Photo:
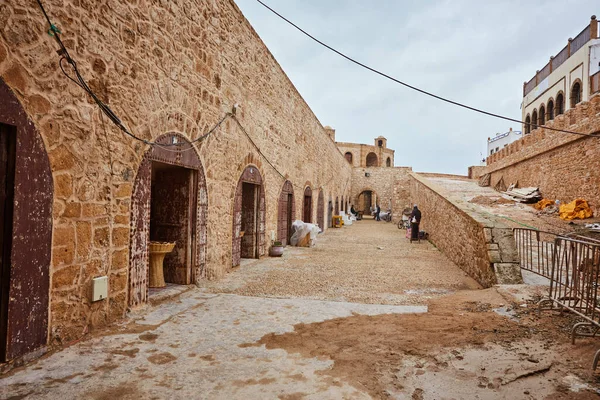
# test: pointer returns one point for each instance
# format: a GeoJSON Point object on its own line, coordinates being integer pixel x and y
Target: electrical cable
{"type": "Point", "coordinates": [530, 124]}
{"type": "Point", "coordinates": [105, 109]}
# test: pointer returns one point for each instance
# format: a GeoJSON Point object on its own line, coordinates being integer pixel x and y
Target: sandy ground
{"type": "Point", "coordinates": [368, 262]}
{"type": "Point", "coordinates": [486, 201]}
{"type": "Point", "coordinates": [317, 325]}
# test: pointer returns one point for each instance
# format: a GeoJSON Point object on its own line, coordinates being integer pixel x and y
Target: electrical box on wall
{"type": "Point", "coordinates": [99, 288]}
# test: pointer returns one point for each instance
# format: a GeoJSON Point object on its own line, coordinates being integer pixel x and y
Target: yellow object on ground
{"type": "Point", "coordinates": [540, 205]}
{"type": "Point", "coordinates": [576, 209]}
{"type": "Point", "coordinates": [337, 221]}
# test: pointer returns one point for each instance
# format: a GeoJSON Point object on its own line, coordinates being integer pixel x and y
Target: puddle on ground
{"type": "Point", "coordinates": [508, 312]}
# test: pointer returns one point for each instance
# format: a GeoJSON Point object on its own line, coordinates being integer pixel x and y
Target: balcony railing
{"type": "Point", "coordinates": [590, 32]}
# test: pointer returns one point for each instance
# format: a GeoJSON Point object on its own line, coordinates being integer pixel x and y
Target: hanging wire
{"type": "Point", "coordinates": [435, 96]}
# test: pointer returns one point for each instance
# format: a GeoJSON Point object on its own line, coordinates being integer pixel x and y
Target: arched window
{"type": "Point", "coordinates": [380, 143]}
{"type": "Point", "coordinates": [348, 156]}
{"type": "Point", "coordinates": [542, 120]}
{"type": "Point", "coordinates": [371, 160]}
{"type": "Point", "coordinates": [527, 125]}
{"type": "Point", "coordinates": [534, 120]}
{"type": "Point", "coordinates": [560, 104]}
{"type": "Point", "coordinates": [576, 94]}
{"type": "Point", "coordinates": [550, 112]}
{"type": "Point", "coordinates": [388, 162]}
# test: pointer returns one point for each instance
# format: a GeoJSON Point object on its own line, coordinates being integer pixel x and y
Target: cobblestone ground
{"type": "Point", "coordinates": [367, 262]}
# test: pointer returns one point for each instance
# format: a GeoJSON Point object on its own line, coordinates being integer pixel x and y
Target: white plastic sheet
{"type": "Point", "coordinates": [300, 229]}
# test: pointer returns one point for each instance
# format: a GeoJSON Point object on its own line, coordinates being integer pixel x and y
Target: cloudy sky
{"type": "Point", "coordinates": [475, 52]}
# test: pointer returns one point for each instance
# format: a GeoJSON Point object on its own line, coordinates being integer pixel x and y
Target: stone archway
{"type": "Point", "coordinates": [286, 213]}
{"type": "Point", "coordinates": [26, 235]}
{"type": "Point", "coordinates": [365, 201]}
{"type": "Point", "coordinates": [169, 203]}
{"type": "Point", "coordinates": [321, 210]}
{"type": "Point", "coordinates": [249, 213]}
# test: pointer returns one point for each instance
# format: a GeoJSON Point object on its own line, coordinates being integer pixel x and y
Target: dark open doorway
{"type": "Point", "coordinates": [173, 218]}
{"type": "Point", "coordinates": [367, 200]}
{"type": "Point", "coordinates": [307, 211]}
{"type": "Point", "coordinates": [330, 214]}
{"type": "Point", "coordinates": [7, 185]}
{"type": "Point", "coordinates": [285, 213]}
{"type": "Point", "coordinates": [250, 220]}
{"type": "Point", "coordinates": [249, 217]}
{"type": "Point", "coordinates": [321, 211]}
{"type": "Point", "coordinates": [169, 203]}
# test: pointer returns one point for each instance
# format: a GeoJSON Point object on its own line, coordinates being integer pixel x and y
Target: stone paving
{"type": "Point", "coordinates": [200, 345]}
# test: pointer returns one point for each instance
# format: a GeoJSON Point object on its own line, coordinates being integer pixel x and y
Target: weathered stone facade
{"type": "Point", "coordinates": [365, 155]}
{"type": "Point", "coordinates": [167, 69]}
{"type": "Point", "coordinates": [479, 244]}
{"type": "Point", "coordinates": [564, 166]}
{"type": "Point", "coordinates": [390, 185]}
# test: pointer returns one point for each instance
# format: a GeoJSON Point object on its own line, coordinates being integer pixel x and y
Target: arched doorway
{"type": "Point", "coordinates": [321, 211]}
{"type": "Point", "coordinates": [342, 208]}
{"type": "Point", "coordinates": [371, 160]}
{"type": "Point", "coordinates": [285, 213]}
{"type": "Point", "coordinates": [348, 156]}
{"type": "Point", "coordinates": [337, 206]}
{"type": "Point", "coordinates": [366, 201]}
{"type": "Point", "coordinates": [388, 162]}
{"type": "Point", "coordinates": [169, 203]}
{"type": "Point", "coordinates": [26, 196]}
{"type": "Point", "coordinates": [249, 213]}
{"type": "Point", "coordinates": [307, 209]}
{"type": "Point", "coordinates": [330, 213]}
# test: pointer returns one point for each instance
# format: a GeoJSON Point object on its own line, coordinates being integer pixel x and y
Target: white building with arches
{"type": "Point", "coordinates": [569, 77]}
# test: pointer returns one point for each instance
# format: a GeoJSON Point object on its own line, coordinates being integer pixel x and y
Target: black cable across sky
{"type": "Point", "coordinates": [435, 96]}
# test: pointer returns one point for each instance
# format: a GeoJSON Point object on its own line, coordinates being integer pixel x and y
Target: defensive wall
{"type": "Point", "coordinates": [170, 71]}
{"type": "Point", "coordinates": [564, 166]}
{"type": "Point", "coordinates": [479, 244]}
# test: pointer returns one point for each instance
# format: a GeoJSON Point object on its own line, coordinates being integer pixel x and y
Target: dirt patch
{"type": "Point", "coordinates": [124, 391]}
{"type": "Point", "coordinates": [106, 367]}
{"type": "Point", "coordinates": [148, 337]}
{"type": "Point", "coordinates": [63, 380]}
{"type": "Point", "coordinates": [249, 382]}
{"type": "Point", "coordinates": [161, 358]}
{"type": "Point", "coordinates": [208, 357]}
{"type": "Point", "coordinates": [392, 353]}
{"type": "Point", "coordinates": [490, 200]}
{"type": "Point", "coordinates": [128, 353]}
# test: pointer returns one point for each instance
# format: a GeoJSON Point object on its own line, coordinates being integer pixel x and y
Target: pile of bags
{"type": "Point", "coordinates": [304, 234]}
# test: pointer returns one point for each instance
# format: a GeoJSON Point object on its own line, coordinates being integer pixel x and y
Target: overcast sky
{"type": "Point", "coordinates": [472, 51]}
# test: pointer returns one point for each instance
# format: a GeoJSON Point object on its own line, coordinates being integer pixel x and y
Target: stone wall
{"type": "Point", "coordinates": [390, 184]}
{"type": "Point", "coordinates": [476, 171]}
{"type": "Point", "coordinates": [167, 67]}
{"type": "Point", "coordinates": [564, 166]}
{"type": "Point", "coordinates": [480, 245]}
{"type": "Point", "coordinates": [360, 152]}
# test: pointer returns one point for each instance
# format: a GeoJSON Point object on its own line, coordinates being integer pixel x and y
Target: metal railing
{"type": "Point", "coordinates": [571, 262]}
{"type": "Point", "coordinates": [535, 250]}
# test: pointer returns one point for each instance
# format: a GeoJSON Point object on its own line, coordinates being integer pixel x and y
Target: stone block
{"type": "Point", "coordinates": [65, 277]}
{"type": "Point", "coordinates": [508, 273]}
{"type": "Point", "coordinates": [487, 233]}
{"type": "Point", "coordinates": [63, 186]}
{"type": "Point", "coordinates": [494, 256]}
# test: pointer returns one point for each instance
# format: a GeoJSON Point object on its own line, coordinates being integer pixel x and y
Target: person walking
{"type": "Point", "coordinates": [377, 211]}
{"type": "Point", "coordinates": [415, 220]}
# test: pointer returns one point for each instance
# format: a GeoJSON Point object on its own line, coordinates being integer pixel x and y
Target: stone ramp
{"type": "Point", "coordinates": [479, 242]}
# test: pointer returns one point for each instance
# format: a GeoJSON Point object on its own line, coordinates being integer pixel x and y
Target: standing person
{"type": "Point", "coordinates": [415, 220]}
{"type": "Point", "coordinates": [352, 210]}
{"type": "Point", "coordinates": [377, 211]}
